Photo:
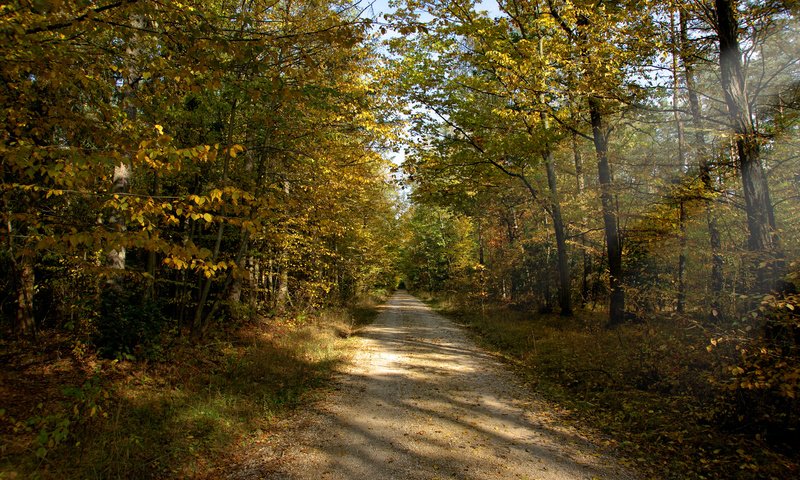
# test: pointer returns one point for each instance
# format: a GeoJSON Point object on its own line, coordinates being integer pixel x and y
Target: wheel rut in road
{"type": "Point", "coordinates": [422, 401]}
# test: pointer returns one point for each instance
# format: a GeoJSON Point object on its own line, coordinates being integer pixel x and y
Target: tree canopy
{"type": "Point", "coordinates": [177, 151]}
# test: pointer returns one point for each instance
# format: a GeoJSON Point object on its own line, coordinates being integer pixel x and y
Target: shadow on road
{"type": "Point", "coordinates": [424, 402]}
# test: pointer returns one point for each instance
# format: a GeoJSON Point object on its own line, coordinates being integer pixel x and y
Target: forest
{"type": "Point", "coordinates": [203, 202]}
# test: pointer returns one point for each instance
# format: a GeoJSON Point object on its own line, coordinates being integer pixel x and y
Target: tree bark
{"type": "Point", "coordinates": [681, 297]}
{"type": "Point", "coordinates": [200, 320]}
{"type": "Point", "coordinates": [682, 162]}
{"type": "Point", "coordinates": [702, 153]}
{"type": "Point", "coordinates": [152, 259]}
{"type": "Point", "coordinates": [616, 309]}
{"type": "Point", "coordinates": [480, 243]}
{"type": "Point", "coordinates": [22, 276]}
{"type": "Point", "coordinates": [282, 295]}
{"type": "Point", "coordinates": [205, 288]}
{"type": "Point", "coordinates": [25, 322]}
{"type": "Point", "coordinates": [763, 240]}
{"type": "Point", "coordinates": [579, 187]}
{"type": "Point", "coordinates": [564, 281]}
{"type": "Point", "coordinates": [121, 179]}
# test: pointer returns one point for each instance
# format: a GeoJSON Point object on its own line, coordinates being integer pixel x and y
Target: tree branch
{"type": "Point", "coordinates": [86, 16]}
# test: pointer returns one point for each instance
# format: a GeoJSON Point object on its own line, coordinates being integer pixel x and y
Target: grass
{"type": "Point", "coordinates": [188, 416]}
{"type": "Point", "coordinates": [646, 387]}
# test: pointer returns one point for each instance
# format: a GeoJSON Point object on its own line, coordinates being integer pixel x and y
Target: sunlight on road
{"type": "Point", "coordinates": [422, 401]}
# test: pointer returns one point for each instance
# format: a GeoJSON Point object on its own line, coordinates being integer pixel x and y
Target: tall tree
{"type": "Point", "coordinates": [688, 56]}
{"type": "Point", "coordinates": [763, 238]}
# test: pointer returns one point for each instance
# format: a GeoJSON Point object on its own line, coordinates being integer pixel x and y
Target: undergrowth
{"type": "Point", "coordinates": [71, 414]}
{"type": "Point", "coordinates": [648, 388]}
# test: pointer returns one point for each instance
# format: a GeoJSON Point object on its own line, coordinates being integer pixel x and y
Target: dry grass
{"type": "Point", "coordinates": [188, 416]}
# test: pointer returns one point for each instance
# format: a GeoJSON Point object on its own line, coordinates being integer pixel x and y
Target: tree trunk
{"type": "Point", "coordinates": [205, 288]}
{"type": "Point", "coordinates": [684, 166]}
{"type": "Point", "coordinates": [271, 280]}
{"type": "Point", "coordinates": [681, 300]}
{"type": "Point", "coordinates": [763, 239]}
{"type": "Point", "coordinates": [282, 295]}
{"type": "Point", "coordinates": [152, 260]}
{"type": "Point", "coordinates": [25, 322]}
{"type": "Point", "coordinates": [616, 310]}
{"type": "Point", "coordinates": [235, 291]}
{"type": "Point", "coordinates": [22, 276]}
{"type": "Point", "coordinates": [121, 179]}
{"type": "Point", "coordinates": [184, 294]}
{"type": "Point", "coordinates": [579, 187]}
{"type": "Point", "coordinates": [253, 286]}
{"type": "Point", "coordinates": [545, 276]}
{"type": "Point", "coordinates": [717, 279]}
{"type": "Point", "coordinates": [480, 243]}
{"type": "Point", "coordinates": [701, 151]}
{"type": "Point", "coordinates": [227, 284]}
{"type": "Point", "coordinates": [564, 282]}
{"type": "Point", "coordinates": [200, 320]}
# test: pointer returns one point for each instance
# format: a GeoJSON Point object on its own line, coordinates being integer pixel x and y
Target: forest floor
{"type": "Point", "coordinates": [67, 413]}
{"type": "Point", "coordinates": [421, 401]}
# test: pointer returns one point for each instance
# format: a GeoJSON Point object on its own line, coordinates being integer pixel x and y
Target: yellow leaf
{"type": "Point", "coordinates": [234, 151]}
{"type": "Point", "coordinates": [207, 217]}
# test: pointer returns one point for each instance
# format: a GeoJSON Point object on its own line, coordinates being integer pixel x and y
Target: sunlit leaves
{"type": "Point", "coordinates": [213, 112]}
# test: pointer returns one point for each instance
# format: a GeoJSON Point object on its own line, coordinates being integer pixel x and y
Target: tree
{"type": "Point", "coordinates": [529, 60]}
{"type": "Point", "coordinates": [763, 239]}
{"type": "Point", "coordinates": [167, 132]}
{"type": "Point", "coordinates": [469, 100]}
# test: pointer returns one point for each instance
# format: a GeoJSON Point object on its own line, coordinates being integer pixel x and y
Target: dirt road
{"type": "Point", "coordinates": [421, 401]}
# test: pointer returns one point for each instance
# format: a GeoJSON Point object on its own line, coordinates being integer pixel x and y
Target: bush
{"type": "Point", "coordinates": [759, 367]}
{"type": "Point", "coordinates": [128, 323]}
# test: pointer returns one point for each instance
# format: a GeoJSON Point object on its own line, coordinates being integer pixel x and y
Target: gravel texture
{"type": "Point", "coordinates": [422, 401]}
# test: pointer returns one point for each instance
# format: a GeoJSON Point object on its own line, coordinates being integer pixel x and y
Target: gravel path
{"type": "Point", "coordinates": [422, 401]}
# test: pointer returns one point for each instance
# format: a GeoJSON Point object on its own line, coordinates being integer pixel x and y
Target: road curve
{"type": "Point", "coordinates": [422, 401]}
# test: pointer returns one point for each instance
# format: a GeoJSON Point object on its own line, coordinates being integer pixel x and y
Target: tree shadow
{"type": "Point", "coordinates": [431, 404]}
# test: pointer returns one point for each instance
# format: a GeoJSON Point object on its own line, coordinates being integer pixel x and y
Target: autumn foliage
{"type": "Point", "coordinates": [173, 174]}
{"type": "Point", "coordinates": [628, 160]}
{"type": "Point", "coordinates": [163, 162]}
